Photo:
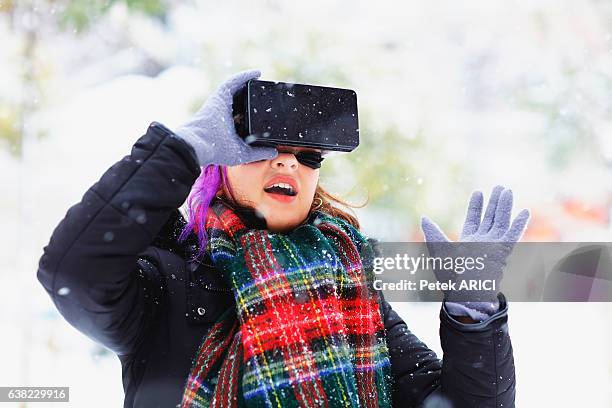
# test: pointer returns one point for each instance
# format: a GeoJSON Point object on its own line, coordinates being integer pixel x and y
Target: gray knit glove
{"type": "Point", "coordinates": [492, 236]}
{"type": "Point", "coordinates": [212, 133]}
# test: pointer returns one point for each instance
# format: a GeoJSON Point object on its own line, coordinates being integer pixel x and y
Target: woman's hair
{"type": "Point", "coordinates": [210, 183]}
{"type": "Point", "coordinates": [202, 193]}
{"type": "Point", "coordinates": [327, 202]}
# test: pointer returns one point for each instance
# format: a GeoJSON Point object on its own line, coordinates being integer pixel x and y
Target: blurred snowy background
{"type": "Point", "coordinates": [453, 96]}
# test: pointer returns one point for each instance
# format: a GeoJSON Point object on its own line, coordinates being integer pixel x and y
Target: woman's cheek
{"type": "Point", "coordinates": [251, 180]}
{"type": "Point", "coordinates": [312, 183]}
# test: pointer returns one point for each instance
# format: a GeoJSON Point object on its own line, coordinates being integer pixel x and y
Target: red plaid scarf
{"type": "Point", "coordinates": [307, 330]}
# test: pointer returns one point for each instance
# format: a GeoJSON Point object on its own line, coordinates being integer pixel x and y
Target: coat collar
{"type": "Point", "coordinates": [168, 237]}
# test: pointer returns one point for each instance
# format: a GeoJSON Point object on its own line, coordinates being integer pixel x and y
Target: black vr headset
{"type": "Point", "coordinates": [278, 113]}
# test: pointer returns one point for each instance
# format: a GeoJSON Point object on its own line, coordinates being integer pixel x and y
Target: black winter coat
{"type": "Point", "coordinates": [115, 271]}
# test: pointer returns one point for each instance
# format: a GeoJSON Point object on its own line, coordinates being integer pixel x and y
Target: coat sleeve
{"type": "Point", "coordinates": [91, 266]}
{"type": "Point", "coordinates": [477, 369]}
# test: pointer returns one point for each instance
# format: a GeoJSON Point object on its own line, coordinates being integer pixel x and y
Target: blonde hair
{"type": "Point", "coordinates": [328, 203]}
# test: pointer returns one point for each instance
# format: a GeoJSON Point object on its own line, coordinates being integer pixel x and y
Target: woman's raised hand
{"type": "Point", "coordinates": [212, 133]}
{"type": "Point", "coordinates": [492, 237]}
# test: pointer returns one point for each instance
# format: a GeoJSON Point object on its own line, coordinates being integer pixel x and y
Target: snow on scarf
{"type": "Point", "coordinates": [307, 329]}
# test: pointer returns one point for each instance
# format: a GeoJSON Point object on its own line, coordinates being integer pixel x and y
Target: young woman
{"type": "Point", "coordinates": [263, 296]}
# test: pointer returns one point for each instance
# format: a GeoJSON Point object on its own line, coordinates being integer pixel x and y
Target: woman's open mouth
{"type": "Point", "coordinates": [282, 190]}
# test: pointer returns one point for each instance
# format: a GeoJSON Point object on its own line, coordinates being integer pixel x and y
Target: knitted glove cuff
{"type": "Point", "coordinates": [203, 150]}
{"type": "Point", "coordinates": [477, 311]}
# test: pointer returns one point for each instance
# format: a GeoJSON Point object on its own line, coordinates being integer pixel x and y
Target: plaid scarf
{"type": "Point", "coordinates": [307, 330]}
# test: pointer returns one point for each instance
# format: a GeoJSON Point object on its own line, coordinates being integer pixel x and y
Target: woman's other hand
{"type": "Point", "coordinates": [492, 238]}
{"type": "Point", "coordinates": [212, 133]}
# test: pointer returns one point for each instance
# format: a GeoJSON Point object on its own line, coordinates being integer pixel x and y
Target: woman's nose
{"type": "Point", "coordinates": [285, 160]}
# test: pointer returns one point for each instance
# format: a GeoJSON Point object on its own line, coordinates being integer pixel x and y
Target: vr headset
{"type": "Point", "coordinates": [278, 113]}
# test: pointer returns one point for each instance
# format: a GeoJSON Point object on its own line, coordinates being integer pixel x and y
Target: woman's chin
{"type": "Point", "coordinates": [276, 221]}
{"type": "Point", "coordinates": [282, 217]}
{"type": "Point", "coordinates": [275, 224]}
